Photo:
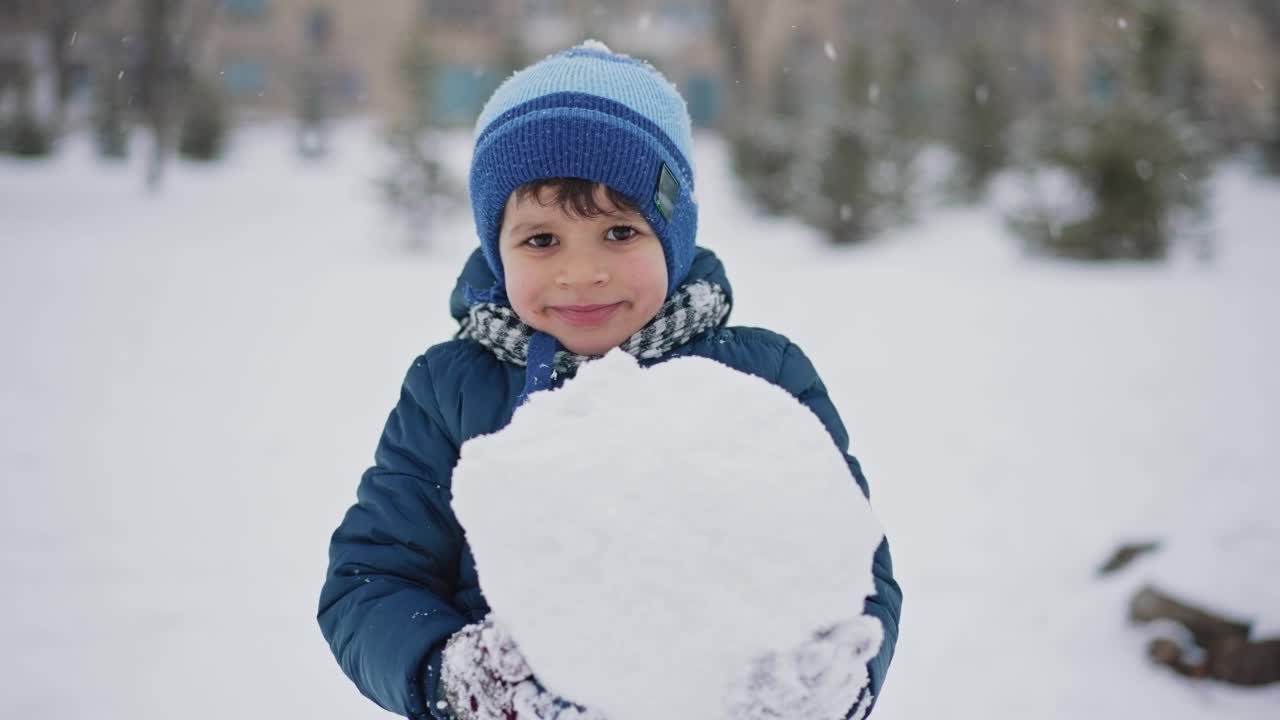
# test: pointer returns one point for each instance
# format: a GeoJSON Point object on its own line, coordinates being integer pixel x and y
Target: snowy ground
{"type": "Point", "coordinates": [193, 381]}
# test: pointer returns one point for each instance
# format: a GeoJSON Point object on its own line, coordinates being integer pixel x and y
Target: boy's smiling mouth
{"type": "Point", "coordinates": [585, 315]}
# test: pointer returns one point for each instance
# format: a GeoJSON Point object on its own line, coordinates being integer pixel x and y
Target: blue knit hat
{"type": "Point", "coordinates": [589, 113]}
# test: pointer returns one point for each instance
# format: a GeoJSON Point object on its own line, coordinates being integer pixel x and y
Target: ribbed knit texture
{"type": "Point", "coordinates": [592, 114]}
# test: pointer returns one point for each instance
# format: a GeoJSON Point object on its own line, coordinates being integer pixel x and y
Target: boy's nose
{"type": "Point", "coordinates": [582, 269]}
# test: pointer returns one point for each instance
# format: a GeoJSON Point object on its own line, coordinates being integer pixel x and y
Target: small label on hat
{"type": "Point", "coordinates": [665, 196]}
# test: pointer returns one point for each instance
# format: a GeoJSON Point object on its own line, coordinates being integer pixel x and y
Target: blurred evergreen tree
{"type": "Point", "coordinates": [1168, 63]}
{"type": "Point", "coordinates": [314, 87]}
{"type": "Point", "coordinates": [157, 81]}
{"type": "Point", "coordinates": [858, 87]}
{"type": "Point", "coordinates": [1159, 48]}
{"type": "Point", "coordinates": [761, 153]}
{"type": "Point", "coordinates": [1193, 86]}
{"type": "Point", "coordinates": [28, 137]}
{"type": "Point", "coordinates": [840, 164]}
{"type": "Point", "coordinates": [763, 148]}
{"type": "Point", "coordinates": [1271, 146]}
{"type": "Point", "coordinates": [110, 112]}
{"type": "Point", "coordinates": [1138, 162]}
{"type": "Point", "coordinates": [22, 132]}
{"type": "Point", "coordinates": [846, 203]}
{"type": "Point", "coordinates": [1142, 170]}
{"type": "Point", "coordinates": [900, 124]}
{"type": "Point", "coordinates": [416, 186]}
{"type": "Point", "coordinates": [315, 82]}
{"type": "Point", "coordinates": [848, 213]}
{"type": "Point", "coordinates": [203, 133]}
{"type": "Point", "coordinates": [861, 157]}
{"type": "Point", "coordinates": [902, 92]}
{"type": "Point", "coordinates": [982, 118]}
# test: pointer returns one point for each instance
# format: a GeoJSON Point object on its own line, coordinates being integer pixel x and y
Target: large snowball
{"type": "Point", "coordinates": [643, 533]}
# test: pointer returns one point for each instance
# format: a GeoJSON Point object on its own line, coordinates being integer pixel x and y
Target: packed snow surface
{"type": "Point", "coordinates": [644, 533]}
{"type": "Point", "coordinates": [193, 380]}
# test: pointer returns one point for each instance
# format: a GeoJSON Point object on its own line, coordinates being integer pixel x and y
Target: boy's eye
{"type": "Point", "coordinates": [544, 240]}
{"type": "Point", "coordinates": [621, 233]}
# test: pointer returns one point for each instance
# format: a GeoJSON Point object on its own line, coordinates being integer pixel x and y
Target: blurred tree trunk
{"type": "Point", "coordinates": [417, 186]}
{"type": "Point", "coordinates": [63, 18]}
{"type": "Point", "coordinates": [166, 69]}
{"type": "Point", "coordinates": [1271, 146]}
{"type": "Point", "coordinates": [748, 93]}
{"type": "Point", "coordinates": [155, 81]}
{"type": "Point", "coordinates": [729, 29]}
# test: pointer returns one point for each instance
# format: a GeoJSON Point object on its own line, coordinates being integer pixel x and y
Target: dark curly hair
{"type": "Point", "coordinates": [575, 196]}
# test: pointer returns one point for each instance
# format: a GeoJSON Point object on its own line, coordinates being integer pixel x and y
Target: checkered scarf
{"type": "Point", "coordinates": [694, 307]}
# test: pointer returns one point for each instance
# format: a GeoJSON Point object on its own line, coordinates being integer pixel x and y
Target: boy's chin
{"type": "Point", "coordinates": [587, 340]}
{"type": "Point", "coordinates": [586, 345]}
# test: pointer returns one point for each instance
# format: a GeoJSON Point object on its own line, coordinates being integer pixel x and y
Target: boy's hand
{"type": "Point", "coordinates": [820, 679]}
{"type": "Point", "coordinates": [485, 677]}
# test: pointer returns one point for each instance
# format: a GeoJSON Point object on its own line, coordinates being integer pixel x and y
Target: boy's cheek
{"type": "Point", "coordinates": [647, 275]}
{"type": "Point", "coordinates": [520, 282]}
{"type": "Point", "coordinates": [525, 298]}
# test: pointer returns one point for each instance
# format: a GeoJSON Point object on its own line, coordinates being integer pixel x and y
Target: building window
{"type": "Point", "coordinates": [80, 77]}
{"type": "Point", "coordinates": [245, 8]}
{"type": "Point", "coordinates": [695, 15]}
{"type": "Point", "coordinates": [458, 9]}
{"type": "Point", "coordinates": [1100, 81]}
{"type": "Point", "coordinates": [459, 92]}
{"type": "Point", "coordinates": [546, 8]}
{"type": "Point", "coordinates": [244, 77]}
{"type": "Point", "coordinates": [319, 28]}
{"type": "Point", "coordinates": [702, 93]}
{"type": "Point", "coordinates": [1040, 79]}
{"type": "Point", "coordinates": [351, 86]}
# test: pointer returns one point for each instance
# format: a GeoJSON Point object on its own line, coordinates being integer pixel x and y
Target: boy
{"type": "Point", "coordinates": [582, 190]}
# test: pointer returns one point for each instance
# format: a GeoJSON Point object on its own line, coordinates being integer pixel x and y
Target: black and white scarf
{"type": "Point", "coordinates": [693, 308]}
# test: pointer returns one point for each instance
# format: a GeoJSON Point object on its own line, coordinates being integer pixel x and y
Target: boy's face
{"type": "Point", "coordinates": [591, 282]}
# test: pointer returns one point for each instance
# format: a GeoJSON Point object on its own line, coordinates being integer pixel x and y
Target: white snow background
{"type": "Point", "coordinates": [192, 382]}
{"type": "Point", "coordinates": [645, 533]}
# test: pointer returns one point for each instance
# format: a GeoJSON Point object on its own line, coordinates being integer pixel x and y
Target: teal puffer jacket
{"type": "Point", "coordinates": [401, 578]}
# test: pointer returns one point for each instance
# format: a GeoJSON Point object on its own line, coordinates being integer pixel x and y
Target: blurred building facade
{"type": "Point", "coordinates": [271, 55]}
{"type": "Point", "coordinates": [725, 55]}
{"type": "Point", "coordinates": [1238, 48]}
{"type": "Point", "coordinates": [479, 42]}
{"type": "Point", "coordinates": [1045, 50]}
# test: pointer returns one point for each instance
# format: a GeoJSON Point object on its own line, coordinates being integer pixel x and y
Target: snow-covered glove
{"type": "Point", "coordinates": [483, 676]}
{"type": "Point", "coordinates": [824, 678]}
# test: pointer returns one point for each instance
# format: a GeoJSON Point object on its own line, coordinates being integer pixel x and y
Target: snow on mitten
{"type": "Point", "coordinates": [821, 679]}
{"type": "Point", "coordinates": [483, 676]}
